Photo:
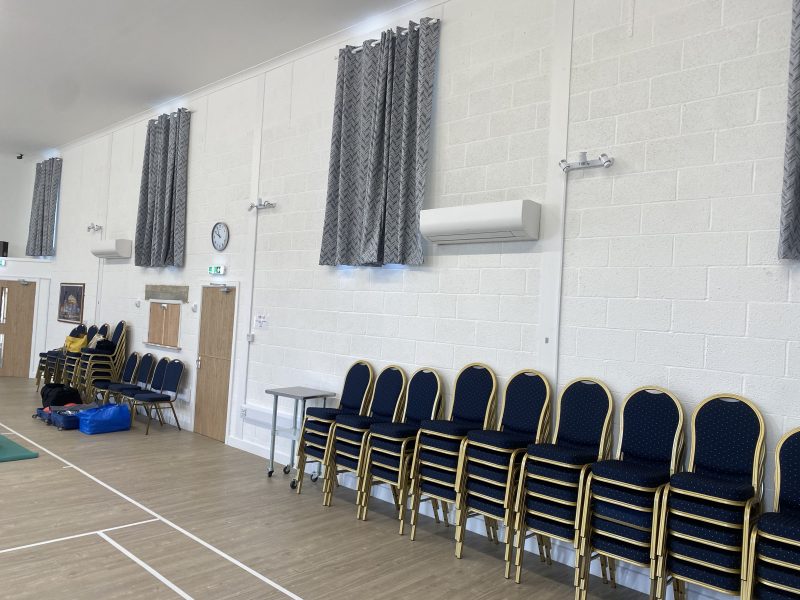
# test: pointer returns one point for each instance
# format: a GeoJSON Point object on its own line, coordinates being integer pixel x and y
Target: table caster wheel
{"type": "Point", "coordinates": [286, 469]}
{"type": "Point", "coordinates": [314, 478]}
{"type": "Point", "coordinates": [270, 472]}
{"type": "Point", "coordinates": [293, 485]}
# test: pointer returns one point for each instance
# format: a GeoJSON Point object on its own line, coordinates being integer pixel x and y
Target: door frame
{"type": "Point", "coordinates": [41, 305]}
{"type": "Point", "coordinates": [217, 284]}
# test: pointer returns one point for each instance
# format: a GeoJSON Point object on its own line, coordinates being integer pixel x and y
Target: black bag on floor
{"type": "Point", "coordinates": [61, 396]}
{"type": "Point", "coordinates": [46, 388]}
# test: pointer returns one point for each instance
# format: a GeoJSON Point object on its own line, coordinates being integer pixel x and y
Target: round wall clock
{"type": "Point", "coordinates": [220, 235]}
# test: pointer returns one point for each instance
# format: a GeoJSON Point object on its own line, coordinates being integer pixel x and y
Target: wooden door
{"type": "Point", "coordinates": [17, 301]}
{"type": "Point", "coordinates": [214, 361]}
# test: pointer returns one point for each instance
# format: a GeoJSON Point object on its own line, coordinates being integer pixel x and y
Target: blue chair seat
{"type": "Point", "coordinates": [453, 428]}
{"type": "Point", "coordinates": [445, 460]}
{"type": "Point", "coordinates": [43, 354]}
{"type": "Point", "coordinates": [765, 592]}
{"type": "Point", "coordinates": [621, 494]}
{"type": "Point", "coordinates": [500, 439]}
{"type": "Point", "coordinates": [711, 510]}
{"type": "Point", "coordinates": [615, 512]}
{"type": "Point", "coordinates": [551, 490]}
{"type": "Point", "coordinates": [716, 556]}
{"type": "Point", "coordinates": [73, 354]}
{"type": "Point", "coordinates": [553, 509]}
{"type": "Point", "coordinates": [610, 528]}
{"type": "Point", "coordinates": [152, 397]}
{"type": "Point", "coordinates": [637, 554]}
{"type": "Point", "coordinates": [777, 551]}
{"type": "Point", "coordinates": [780, 524]}
{"type": "Point", "coordinates": [434, 489]}
{"type": "Point", "coordinates": [123, 387]}
{"type": "Point", "coordinates": [327, 414]}
{"type": "Point", "coordinates": [480, 470]}
{"type": "Point", "coordinates": [486, 506]}
{"type": "Point", "coordinates": [705, 531]}
{"type": "Point", "coordinates": [554, 472]}
{"type": "Point", "coordinates": [102, 384]}
{"type": "Point", "coordinates": [486, 489]}
{"type": "Point", "coordinates": [570, 455]}
{"type": "Point", "coordinates": [724, 489]}
{"type": "Point", "coordinates": [395, 430]}
{"type": "Point", "coordinates": [357, 421]}
{"type": "Point", "coordinates": [96, 351]}
{"type": "Point", "coordinates": [632, 473]}
{"type": "Point", "coordinates": [554, 528]}
{"type": "Point", "coordinates": [384, 473]}
{"type": "Point", "coordinates": [720, 579]}
{"type": "Point", "coordinates": [777, 574]}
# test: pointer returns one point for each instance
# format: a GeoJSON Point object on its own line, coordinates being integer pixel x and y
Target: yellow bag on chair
{"type": "Point", "coordinates": [75, 344]}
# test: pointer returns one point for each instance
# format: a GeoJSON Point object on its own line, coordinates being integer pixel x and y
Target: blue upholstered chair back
{"type": "Point", "coordinates": [726, 436]}
{"type": "Point", "coordinates": [651, 420]}
{"type": "Point", "coordinates": [145, 369]}
{"type": "Point", "coordinates": [474, 391]}
{"type": "Point", "coordinates": [388, 391]}
{"type": "Point", "coordinates": [423, 392]}
{"type": "Point", "coordinates": [103, 330]}
{"type": "Point", "coordinates": [118, 332]}
{"type": "Point", "coordinates": [129, 369]}
{"type": "Point", "coordinates": [91, 332]}
{"type": "Point", "coordinates": [789, 472]}
{"type": "Point", "coordinates": [78, 331]}
{"type": "Point", "coordinates": [172, 377]}
{"type": "Point", "coordinates": [527, 396]}
{"type": "Point", "coordinates": [584, 407]}
{"type": "Point", "coordinates": [356, 385]}
{"type": "Point", "coordinates": [157, 382]}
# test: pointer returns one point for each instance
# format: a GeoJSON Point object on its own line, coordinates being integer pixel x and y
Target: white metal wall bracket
{"type": "Point", "coordinates": [583, 162]}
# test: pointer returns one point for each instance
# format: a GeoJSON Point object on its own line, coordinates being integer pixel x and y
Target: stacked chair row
{"type": "Point", "coordinates": [639, 507]}
{"type": "Point", "coordinates": [144, 382]}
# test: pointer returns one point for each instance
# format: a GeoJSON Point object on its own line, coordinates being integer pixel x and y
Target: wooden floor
{"type": "Point", "coordinates": [175, 514]}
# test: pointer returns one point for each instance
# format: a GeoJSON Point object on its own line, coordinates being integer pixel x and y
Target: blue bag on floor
{"type": "Point", "coordinates": [111, 417]}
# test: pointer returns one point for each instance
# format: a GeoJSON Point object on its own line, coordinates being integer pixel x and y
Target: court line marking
{"type": "Point", "coordinates": [164, 520]}
{"type": "Point", "coordinates": [146, 567]}
{"type": "Point", "coordinates": [76, 536]}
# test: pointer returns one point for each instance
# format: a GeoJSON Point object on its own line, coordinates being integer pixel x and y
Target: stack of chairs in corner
{"type": "Point", "coordinates": [116, 390]}
{"type": "Point", "coordinates": [622, 500]}
{"type": "Point", "coordinates": [97, 364]}
{"type": "Point", "coordinates": [100, 388]}
{"type": "Point", "coordinates": [437, 456]}
{"type": "Point", "coordinates": [318, 420]}
{"type": "Point", "coordinates": [69, 362]}
{"type": "Point", "coordinates": [709, 509]}
{"type": "Point", "coordinates": [492, 458]}
{"type": "Point", "coordinates": [553, 475]}
{"type": "Point", "coordinates": [775, 542]}
{"type": "Point", "coordinates": [347, 452]}
{"type": "Point", "coordinates": [148, 380]}
{"type": "Point", "coordinates": [157, 397]}
{"type": "Point", "coordinates": [390, 446]}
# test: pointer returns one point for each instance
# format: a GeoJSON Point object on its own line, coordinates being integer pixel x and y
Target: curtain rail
{"type": "Point", "coordinates": [376, 42]}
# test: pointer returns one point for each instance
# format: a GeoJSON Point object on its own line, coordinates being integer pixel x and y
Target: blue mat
{"type": "Point", "coordinates": [13, 451]}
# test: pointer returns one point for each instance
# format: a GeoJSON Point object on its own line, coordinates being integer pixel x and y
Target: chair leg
{"type": "Point", "coordinates": [446, 513]}
{"type": "Point", "coordinates": [604, 568]}
{"type": "Point", "coordinates": [414, 508]}
{"type": "Point", "coordinates": [301, 464]}
{"type": "Point", "coordinates": [612, 572]}
{"type": "Point", "coordinates": [175, 416]}
{"type": "Point", "coordinates": [461, 519]}
{"type": "Point", "coordinates": [149, 418]}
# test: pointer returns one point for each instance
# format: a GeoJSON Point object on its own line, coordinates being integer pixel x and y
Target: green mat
{"type": "Point", "coordinates": [13, 451]}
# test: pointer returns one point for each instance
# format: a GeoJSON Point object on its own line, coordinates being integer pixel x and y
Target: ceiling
{"type": "Point", "coordinates": [68, 68]}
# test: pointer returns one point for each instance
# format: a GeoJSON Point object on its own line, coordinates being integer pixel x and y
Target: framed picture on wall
{"type": "Point", "coordinates": [70, 302]}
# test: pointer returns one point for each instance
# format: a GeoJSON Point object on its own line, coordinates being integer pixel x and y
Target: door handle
{"type": "Point", "coordinates": [197, 362]}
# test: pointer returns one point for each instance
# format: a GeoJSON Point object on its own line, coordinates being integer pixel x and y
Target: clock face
{"type": "Point", "coordinates": [220, 236]}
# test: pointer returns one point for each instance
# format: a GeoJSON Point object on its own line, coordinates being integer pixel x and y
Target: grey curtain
{"type": "Point", "coordinates": [161, 220]}
{"type": "Point", "coordinates": [42, 227]}
{"type": "Point", "coordinates": [379, 149]}
{"type": "Point", "coordinates": [789, 245]}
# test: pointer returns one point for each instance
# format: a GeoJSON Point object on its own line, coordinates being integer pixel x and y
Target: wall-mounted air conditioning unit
{"type": "Point", "coordinates": [112, 249]}
{"type": "Point", "coordinates": [510, 221]}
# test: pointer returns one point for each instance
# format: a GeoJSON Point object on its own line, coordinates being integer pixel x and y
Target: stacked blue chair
{"type": "Point", "coordinates": [390, 446]}
{"type": "Point", "coordinates": [437, 456]}
{"type": "Point", "coordinates": [622, 502]}
{"type": "Point", "coordinates": [347, 452]}
{"type": "Point", "coordinates": [159, 397]}
{"type": "Point", "coordinates": [775, 542]}
{"type": "Point", "coordinates": [98, 364]}
{"type": "Point", "coordinates": [144, 372]}
{"type": "Point", "coordinates": [314, 435]}
{"type": "Point", "coordinates": [101, 387]}
{"type": "Point", "coordinates": [54, 359]}
{"type": "Point", "coordinates": [488, 480]}
{"type": "Point", "coordinates": [554, 475]}
{"type": "Point", "coordinates": [148, 379]}
{"type": "Point", "coordinates": [709, 509]}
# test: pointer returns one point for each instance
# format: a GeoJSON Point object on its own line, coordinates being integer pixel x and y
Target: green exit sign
{"type": "Point", "coordinates": [216, 270]}
{"type": "Point", "coordinates": [2, 262]}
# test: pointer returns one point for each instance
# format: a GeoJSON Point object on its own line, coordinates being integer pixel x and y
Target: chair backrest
{"type": "Point", "coordinates": [91, 332]}
{"type": "Point", "coordinates": [387, 394]}
{"type": "Point", "coordinates": [526, 405]}
{"type": "Point", "coordinates": [424, 397]}
{"type": "Point", "coordinates": [728, 440]}
{"type": "Point", "coordinates": [145, 371]}
{"type": "Point", "coordinates": [787, 472]}
{"type": "Point", "coordinates": [129, 370]}
{"type": "Point", "coordinates": [584, 416]}
{"type": "Point", "coordinates": [103, 330]}
{"type": "Point", "coordinates": [474, 396]}
{"type": "Point", "coordinates": [172, 377]}
{"type": "Point", "coordinates": [651, 428]}
{"type": "Point", "coordinates": [157, 382]}
{"type": "Point", "coordinates": [78, 331]}
{"type": "Point", "coordinates": [356, 387]}
{"type": "Point", "coordinates": [118, 331]}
